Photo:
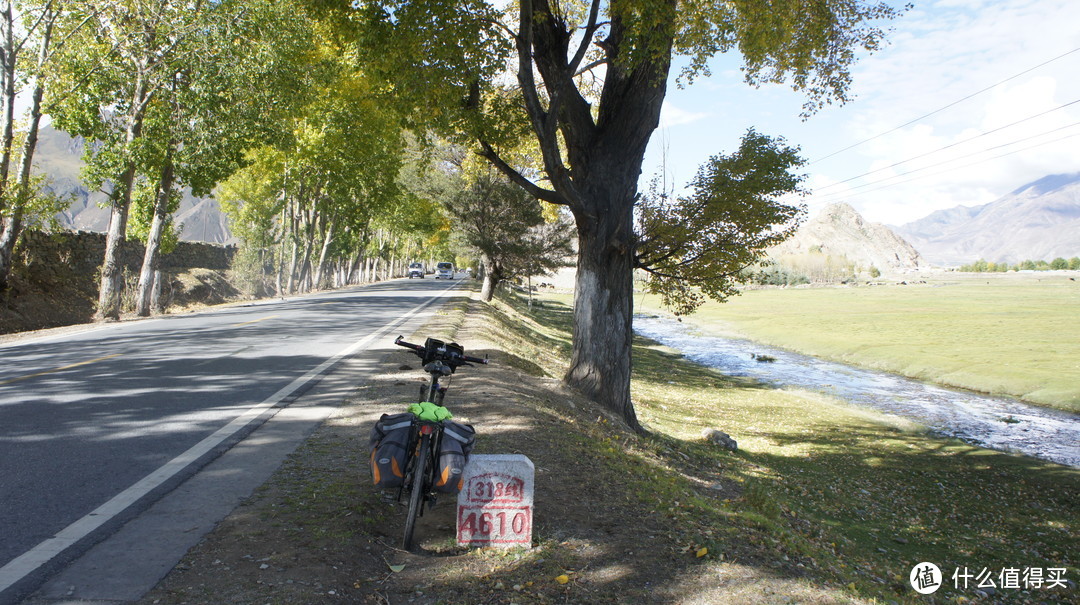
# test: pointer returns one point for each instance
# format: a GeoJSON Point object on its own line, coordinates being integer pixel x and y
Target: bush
{"type": "Point", "coordinates": [252, 271]}
{"type": "Point", "coordinates": [775, 275]}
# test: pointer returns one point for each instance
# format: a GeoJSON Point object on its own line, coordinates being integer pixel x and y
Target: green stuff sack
{"type": "Point", "coordinates": [389, 449]}
{"type": "Point", "coordinates": [457, 442]}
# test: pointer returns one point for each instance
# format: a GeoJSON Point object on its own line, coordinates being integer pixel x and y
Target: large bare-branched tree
{"type": "Point", "coordinates": [588, 83]}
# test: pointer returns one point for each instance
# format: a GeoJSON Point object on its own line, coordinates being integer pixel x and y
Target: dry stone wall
{"type": "Point", "coordinates": [83, 252]}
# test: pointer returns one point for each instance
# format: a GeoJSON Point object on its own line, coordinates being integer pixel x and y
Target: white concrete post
{"type": "Point", "coordinates": [495, 505]}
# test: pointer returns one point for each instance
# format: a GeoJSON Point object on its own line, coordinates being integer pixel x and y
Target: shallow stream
{"type": "Point", "coordinates": [993, 422]}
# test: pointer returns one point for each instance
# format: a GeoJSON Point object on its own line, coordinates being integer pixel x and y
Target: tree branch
{"type": "Point", "coordinates": [526, 77]}
{"type": "Point", "coordinates": [532, 188]}
{"type": "Point", "coordinates": [29, 32]}
{"type": "Point", "coordinates": [591, 66]}
{"type": "Point", "coordinates": [691, 279]}
{"type": "Point", "coordinates": [545, 123]}
{"type": "Point", "coordinates": [586, 39]}
{"type": "Point", "coordinates": [643, 261]}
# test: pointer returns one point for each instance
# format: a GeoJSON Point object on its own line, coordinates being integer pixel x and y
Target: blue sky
{"type": "Point", "coordinates": [939, 53]}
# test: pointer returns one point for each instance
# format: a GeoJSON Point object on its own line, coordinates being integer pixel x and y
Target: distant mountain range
{"type": "Point", "coordinates": [59, 156]}
{"type": "Point", "coordinates": [1039, 221]}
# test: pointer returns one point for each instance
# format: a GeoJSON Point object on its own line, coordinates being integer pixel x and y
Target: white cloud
{"type": "Point", "coordinates": [671, 116]}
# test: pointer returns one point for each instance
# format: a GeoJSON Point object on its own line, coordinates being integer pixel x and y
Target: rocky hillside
{"type": "Point", "coordinates": [59, 157]}
{"type": "Point", "coordinates": [1039, 221]}
{"type": "Point", "coordinates": [840, 233]}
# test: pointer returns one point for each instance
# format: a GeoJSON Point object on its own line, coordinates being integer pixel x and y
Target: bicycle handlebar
{"type": "Point", "coordinates": [408, 345]}
{"type": "Point", "coordinates": [440, 352]}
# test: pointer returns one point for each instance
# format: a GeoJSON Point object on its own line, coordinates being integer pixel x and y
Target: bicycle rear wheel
{"type": "Point", "coordinates": [416, 498]}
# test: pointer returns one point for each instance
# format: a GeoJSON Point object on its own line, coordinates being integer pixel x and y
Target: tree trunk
{"type": "Point", "coordinates": [280, 266]}
{"type": "Point", "coordinates": [157, 303]}
{"type": "Point", "coordinates": [111, 276]}
{"type": "Point", "coordinates": [492, 277]}
{"type": "Point", "coordinates": [603, 309]}
{"type": "Point", "coordinates": [291, 283]}
{"type": "Point", "coordinates": [9, 235]}
{"type": "Point", "coordinates": [307, 228]}
{"type": "Point", "coordinates": [110, 286]}
{"type": "Point", "coordinates": [352, 277]}
{"type": "Point", "coordinates": [320, 268]}
{"type": "Point", "coordinates": [153, 239]}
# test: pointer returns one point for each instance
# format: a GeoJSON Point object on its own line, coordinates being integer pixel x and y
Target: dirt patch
{"type": "Point", "coordinates": [319, 532]}
{"type": "Point", "coordinates": [199, 287]}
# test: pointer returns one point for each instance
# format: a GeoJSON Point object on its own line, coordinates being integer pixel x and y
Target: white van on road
{"type": "Point", "coordinates": [444, 271]}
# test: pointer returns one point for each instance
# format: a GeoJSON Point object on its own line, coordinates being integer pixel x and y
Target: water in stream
{"type": "Point", "coordinates": [992, 422]}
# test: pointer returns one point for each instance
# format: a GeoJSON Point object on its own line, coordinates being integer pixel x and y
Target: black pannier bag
{"type": "Point", "coordinates": [457, 442]}
{"type": "Point", "coordinates": [389, 449]}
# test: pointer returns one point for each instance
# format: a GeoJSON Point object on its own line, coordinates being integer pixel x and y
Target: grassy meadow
{"type": "Point", "coordinates": [1004, 334]}
{"type": "Point", "coordinates": [849, 499]}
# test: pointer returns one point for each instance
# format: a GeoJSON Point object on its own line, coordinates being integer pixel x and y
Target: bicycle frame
{"type": "Point", "coordinates": [434, 391]}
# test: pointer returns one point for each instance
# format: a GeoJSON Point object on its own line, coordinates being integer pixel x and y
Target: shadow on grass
{"type": "Point", "coordinates": [876, 502]}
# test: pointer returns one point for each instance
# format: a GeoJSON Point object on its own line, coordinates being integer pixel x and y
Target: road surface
{"type": "Point", "coordinates": [101, 427]}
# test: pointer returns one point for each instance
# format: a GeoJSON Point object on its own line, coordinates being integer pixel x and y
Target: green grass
{"type": "Point", "coordinates": [1014, 335]}
{"type": "Point", "coordinates": [853, 498]}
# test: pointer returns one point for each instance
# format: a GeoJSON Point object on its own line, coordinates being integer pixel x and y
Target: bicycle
{"type": "Point", "coordinates": [440, 360]}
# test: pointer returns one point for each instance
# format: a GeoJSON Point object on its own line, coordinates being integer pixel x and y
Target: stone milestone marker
{"type": "Point", "coordinates": [495, 504]}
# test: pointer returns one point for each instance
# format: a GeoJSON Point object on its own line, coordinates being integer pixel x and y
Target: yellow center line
{"type": "Point", "coordinates": [61, 369]}
{"type": "Point", "coordinates": [255, 321]}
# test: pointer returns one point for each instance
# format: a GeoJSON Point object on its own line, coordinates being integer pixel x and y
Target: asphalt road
{"type": "Point", "coordinates": [98, 426]}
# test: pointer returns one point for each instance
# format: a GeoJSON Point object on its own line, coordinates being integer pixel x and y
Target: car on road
{"type": "Point", "coordinates": [416, 270]}
{"type": "Point", "coordinates": [444, 271]}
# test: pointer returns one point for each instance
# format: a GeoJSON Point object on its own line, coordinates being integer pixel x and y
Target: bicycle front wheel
{"type": "Point", "coordinates": [416, 498]}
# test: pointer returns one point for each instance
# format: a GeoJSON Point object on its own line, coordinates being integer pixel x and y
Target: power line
{"type": "Point", "coordinates": [909, 123]}
{"type": "Point", "coordinates": [956, 159]}
{"type": "Point", "coordinates": [967, 140]}
{"type": "Point", "coordinates": [846, 196]}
